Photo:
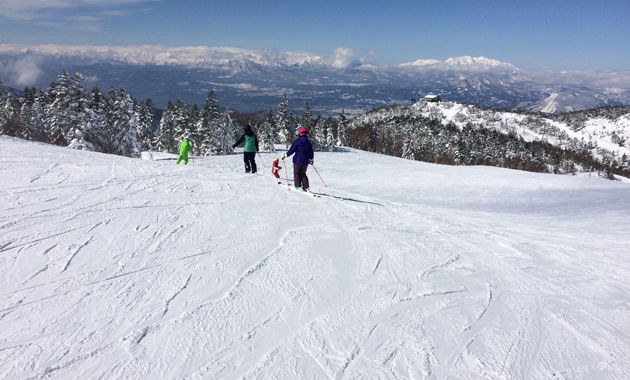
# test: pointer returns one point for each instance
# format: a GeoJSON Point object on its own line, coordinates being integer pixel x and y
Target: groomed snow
{"type": "Point", "coordinates": [114, 268]}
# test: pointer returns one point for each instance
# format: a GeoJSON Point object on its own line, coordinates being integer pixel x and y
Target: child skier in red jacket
{"type": "Point", "coordinates": [275, 167]}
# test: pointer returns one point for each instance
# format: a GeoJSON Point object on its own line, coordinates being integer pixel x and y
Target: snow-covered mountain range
{"type": "Point", "coordinates": [113, 267]}
{"type": "Point", "coordinates": [252, 80]}
{"type": "Point", "coordinates": [203, 56]}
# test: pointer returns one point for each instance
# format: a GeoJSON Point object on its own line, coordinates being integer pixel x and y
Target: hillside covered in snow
{"type": "Point", "coordinates": [115, 267]}
{"type": "Point", "coordinates": [456, 133]}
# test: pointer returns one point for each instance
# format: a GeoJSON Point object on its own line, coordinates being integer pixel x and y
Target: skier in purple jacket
{"type": "Point", "coordinates": [303, 156]}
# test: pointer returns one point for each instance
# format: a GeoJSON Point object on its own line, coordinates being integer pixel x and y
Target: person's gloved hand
{"type": "Point", "coordinates": [233, 146]}
{"type": "Point", "coordinates": [310, 162]}
{"type": "Point", "coordinates": [284, 156]}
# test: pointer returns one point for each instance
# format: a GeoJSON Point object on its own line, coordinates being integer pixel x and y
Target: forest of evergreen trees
{"type": "Point", "coordinates": [67, 115]}
{"type": "Point", "coordinates": [116, 123]}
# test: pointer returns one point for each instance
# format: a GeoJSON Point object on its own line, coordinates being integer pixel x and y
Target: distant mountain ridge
{"type": "Point", "coordinates": [251, 80]}
{"type": "Point", "coordinates": [466, 63]}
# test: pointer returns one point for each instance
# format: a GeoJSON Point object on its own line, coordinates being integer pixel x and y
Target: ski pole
{"type": "Point", "coordinates": [320, 177]}
{"type": "Point", "coordinates": [286, 173]}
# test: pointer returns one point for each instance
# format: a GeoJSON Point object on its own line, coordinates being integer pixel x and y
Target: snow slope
{"type": "Point", "coordinates": [125, 268]}
{"type": "Point", "coordinates": [567, 101]}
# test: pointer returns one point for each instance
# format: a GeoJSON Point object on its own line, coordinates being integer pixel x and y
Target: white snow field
{"type": "Point", "coordinates": [119, 268]}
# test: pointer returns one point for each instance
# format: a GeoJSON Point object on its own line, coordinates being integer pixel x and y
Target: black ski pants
{"type": "Point", "coordinates": [299, 176]}
{"type": "Point", "coordinates": [250, 162]}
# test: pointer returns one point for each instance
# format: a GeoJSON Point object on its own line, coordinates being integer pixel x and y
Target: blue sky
{"type": "Point", "coordinates": [529, 34]}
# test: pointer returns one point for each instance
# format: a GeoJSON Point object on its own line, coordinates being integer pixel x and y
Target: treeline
{"type": "Point", "coordinates": [281, 126]}
{"type": "Point", "coordinates": [427, 139]}
{"type": "Point", "coordinates": [116, 123]}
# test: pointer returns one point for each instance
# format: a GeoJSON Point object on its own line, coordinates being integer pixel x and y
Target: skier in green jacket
{"type": "Point", "coordinates": [249, 149]}
{"type": "Point", "coordinates": [183, 149]}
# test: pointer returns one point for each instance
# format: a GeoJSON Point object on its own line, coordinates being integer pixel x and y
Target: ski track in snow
{"type": "Point", "coordinates": [125, 268]}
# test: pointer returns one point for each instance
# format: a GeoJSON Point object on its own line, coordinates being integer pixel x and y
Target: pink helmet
{"type": "Point", "coordinates": [303, 131]}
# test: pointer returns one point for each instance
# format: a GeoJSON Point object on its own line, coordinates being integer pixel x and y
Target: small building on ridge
{"type": "Point", "coordinates": [432, 98]}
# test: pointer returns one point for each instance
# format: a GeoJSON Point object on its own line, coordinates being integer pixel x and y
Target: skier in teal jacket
{"type": "Point", "coordinates": [183, 149]}
{"type": "Point", "coordinates": [249, 149]}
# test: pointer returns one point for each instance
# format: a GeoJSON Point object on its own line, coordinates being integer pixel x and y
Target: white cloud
{"type": "Point", "coordinates": [23, 71]}
{"type": "Point", "coordinates": [240, 86]}
{"type": "Point", "coordinates": [83, 15]}
{"type": "Point", "coordinates": [596, 79]}
{"type": "Point", "coordinates": [344, 58]}
{"type": "Point", "coordinates": [164, 55]}
{"type": "Point", "coordinates": [421, 63]}
{"type": "Point", "coordinates": [90, 78]}
{"type": "Point", "coordinates": [36, 9]}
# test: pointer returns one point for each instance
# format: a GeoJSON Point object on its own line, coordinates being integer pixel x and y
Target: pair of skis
{"type": "Point", "coordinates": [304, 192]}
{"type": "Point", "coordinates": [301, 191]}
{"type": "Point", "coordinates": [291, 188]}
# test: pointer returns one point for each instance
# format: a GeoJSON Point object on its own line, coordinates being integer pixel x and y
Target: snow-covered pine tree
{"type": "Point", "coordinates": [164, 135]}
{"type": "Point", "coordinates": [225, 137]}
{"type": "Point", "coordinates": [204, 134]}
{"type": "Point", "coordinates": [330, 138]}
{"type": "Point", "coordinates": [284, 131]}
{"type": "Point", "coordinates": [125, 126]}
{"type": "Point", "coordinates": [146, 123]}
{"type": "Point", "coordinates": [96, 131]}
{"type": "Point", "coordinates": [267, 132]}
{"type": "Point", "coordinates": [107, 131]}
{"type": "Point", "coordinates": [76, 136]}
{"type": "Point", "coordinates": [264, 137]}
{"type": "Point", "coordinates": [408, 151]}
{"type": "Point", "coordinates": [9, 118]}
{"type": "Point", "coordinates": [342, 128]}
{"type": "Point", "coordinates": [317, 134]}
{"type": "Point", "coordinates": [193, 135]}
{"type": "Point", "coordinates": [294, 126]}
{"type": "Point", "coordinates": [66, 109]}
{"type": "Point", "coordinates": [181, 122]}
{"type": "Point", "coordinates": [58, 119]}
{"type": "Point", "coordinates": [307, 118]}
{"type": "Point", "coordinates": [3, 116]}
{"type": "Point", "coordinates": [37, 116]}
{"type": "Point", "coordinates": [461, 152]}
{"type": "Point", "coordinates": [26, 108]}
{"type": "Point", "coordinates": [207, 125]}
